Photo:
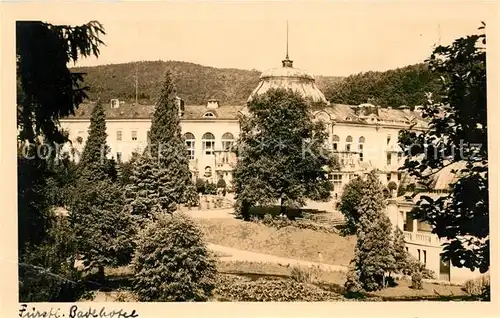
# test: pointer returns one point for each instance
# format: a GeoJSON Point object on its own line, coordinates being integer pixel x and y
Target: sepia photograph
{"type": "Point", "coordinates": [235, 154]}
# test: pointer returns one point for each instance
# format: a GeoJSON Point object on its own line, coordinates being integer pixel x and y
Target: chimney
{"type": "Point", "coordinates": [180, 105]}
{"type": "Point", "coordinates": [212, 104]}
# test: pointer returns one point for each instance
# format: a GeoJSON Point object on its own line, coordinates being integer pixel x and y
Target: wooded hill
{"type": "Point", "coordinates": [197, 83]}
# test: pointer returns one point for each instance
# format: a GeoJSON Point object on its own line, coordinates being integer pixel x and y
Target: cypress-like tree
{"type": "Point", "coordinates": [399, 251]}
{"type": "Point", "coordinates": [103, 228]}
{"type": "Point", "coordinates": [161, 179]}
{"type": "Point", "coordinates": [93, 164]}
{"type": "Point", "coordinates": [374, 256]}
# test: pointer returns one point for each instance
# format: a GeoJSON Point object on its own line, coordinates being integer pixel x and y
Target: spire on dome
{"type": "Point", "coordinates": [287, 62]}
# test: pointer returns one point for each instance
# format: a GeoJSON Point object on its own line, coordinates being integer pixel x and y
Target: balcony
{"type": "Point", "coordinates": [347, 159]}
{"type": "Point", "coordinates": [225, 160]}
{"type": "Point", "coordinates": [420, 238]}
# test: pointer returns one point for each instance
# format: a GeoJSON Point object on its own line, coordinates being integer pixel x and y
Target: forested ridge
{"type": "Point", "coordinates": [197, 83]}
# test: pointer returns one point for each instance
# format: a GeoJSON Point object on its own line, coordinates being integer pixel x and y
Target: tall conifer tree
{"type": "Point", "coordinates": [102, 227]}
{"type": "Point", "coordinates": [161, 179]}
{"type": "Point", "coordinates": [374, 256]}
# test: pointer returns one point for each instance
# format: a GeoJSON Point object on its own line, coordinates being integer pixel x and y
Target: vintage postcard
{"type": "Point", "coordinates": [247, 158]}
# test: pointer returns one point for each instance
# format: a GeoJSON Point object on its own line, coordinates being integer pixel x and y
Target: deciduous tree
{"type": "Point", "coordinates": [282, 154]}
{"type": "Point", "coordinates": [457, 136]}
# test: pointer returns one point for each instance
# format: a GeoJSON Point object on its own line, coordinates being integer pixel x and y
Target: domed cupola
{"type": "Point", "coordinates": [288, 77]}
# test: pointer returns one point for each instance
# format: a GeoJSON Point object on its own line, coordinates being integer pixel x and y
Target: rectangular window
{"type": "Point", "coordinates": [348, 147]}
{"type": "Point", "coordinates": [418, 251]}
{"type": "Point", "coordinates": [134, 134]}
{"type": "Point", "coordinates": [335, 146]}
{"type": "Point", "coordinates": [337, 181]}
{"type": "Point", "coordinates": [388, 177]}
{"type": "Point", "coordinates": [406, 248]}
{"type": "Point", "coordinates": [119, 157]}
{"type": "Point", "coordinates": [360, 152]}
{"type": "Point", "coordinates": [118, 135]}
{"type": "Point", "coordinates": [425, 256]}
{"type": "Point", "coordinates": [388, 139]}
{"type": "Point", "coordinates": [400, 156]}
{"type": "Point", "coordinates": [190, 149]}
{"type": "Point", "coordinates": [389, 158]}
{"type": "Point", "coordinates": [208, 147]}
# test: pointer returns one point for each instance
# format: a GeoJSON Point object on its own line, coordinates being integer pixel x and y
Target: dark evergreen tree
{"type": "Point", "coordinates": [281, 152]}
{"type": "Point", "coordinates": [171, 262]}
{"type": "Point", "coordinates": [169, 149]}
{"type": "Point", "coordinates": [399, 251]}
{"type": "Point", "coordinates": [457, 135]}
{"type": "Point", "coordinates": [160, 178]}
{"type": "Point", "coordinates": [94, 164]}
{"type": "Point", "coordinates": [349, 204]}
{"type": "Point", "coordinates": [103, 228]}
{"type": "Point", "coordinates": [374, 255]}
{"type": "Point", "coordinates": [46, 91]}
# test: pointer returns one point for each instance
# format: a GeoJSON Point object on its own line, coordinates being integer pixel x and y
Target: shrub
{"type": "Point", "coordinates": [172, 263]}
{"type": "Point", "coordinates": [231, 288]}
{"type": "Point", "coordinates": [200, 185]}
{"type": "Point", "coordinates": [304, 275]}
{"type": "Point", "coordinates": [478, 287]}
{"type": "Point", "coordinates": [46, 272]}
{"type": "Point", "coordinates": [392, 186]}
{"type": "Point", "coordinates": [414, 266]}
{"type": "Point", "coordinates": [416, 280]}
{"type": "Point", "coordinates": [221, 183]}
{"type": "Point", "coordinates": [353, 285]}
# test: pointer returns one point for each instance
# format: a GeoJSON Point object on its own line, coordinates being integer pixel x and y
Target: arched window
{"type": "Point", "coordinates": [209, 114]}
{"type": "Point", "coordinates": [208, 143]}
{"type": "Point", "coordinates": [190, 142]}
{"type": "Point", "coordinates": [361, 142]}
{"type": "Point", "coordinates": [227, 141]}
{"type": "Point", "coordinates": [335, 142]}
{"type": "Point", "coordinates": [348, 142]}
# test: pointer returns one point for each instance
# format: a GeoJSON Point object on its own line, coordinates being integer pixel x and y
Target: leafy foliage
{"type": "Point", "coordinates": [47, 89]}
{"type": "Point", "coordinates": [281, 154]}
{"type": "Point", "coordinates": [393, 88]}
{"type": "Point", "coordinates": [374, 256]}
{"type": "Point", "coordinates": [171, 262]}
{"type": "Point", "coordinates": [46, 271]}
{"type": "Point", "coordinates": [458, 135]}
{"type": "Point", "coordinates": [349, 203]}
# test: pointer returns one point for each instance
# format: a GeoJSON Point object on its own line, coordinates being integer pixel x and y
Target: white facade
{"type": "Point", "coordinates": [422, 244]}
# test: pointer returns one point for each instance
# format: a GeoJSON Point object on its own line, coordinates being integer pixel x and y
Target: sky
{"type": "Point", "coordinates": [334, 38]}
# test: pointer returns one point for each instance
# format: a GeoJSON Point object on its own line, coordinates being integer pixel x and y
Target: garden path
{"type": "Point", "coordinates": [234, 254]}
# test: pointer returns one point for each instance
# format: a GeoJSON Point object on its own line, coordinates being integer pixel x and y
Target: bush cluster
{"type": "Point", "coordinates": [234, 288]}
{"type": "Point", "coordinates": [281, 222]}
{"type": "Point", "coordinates": [172, 263]}
{"type": "Point", "coordinates": [479, 287]}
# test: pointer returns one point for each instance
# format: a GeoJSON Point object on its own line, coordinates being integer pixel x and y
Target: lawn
{"type": "Point", "coordinates": [303, 244]}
